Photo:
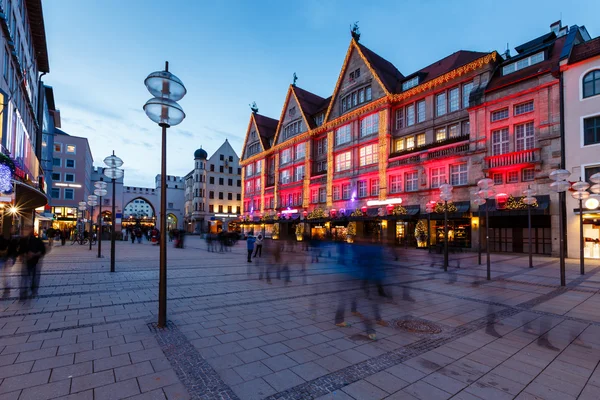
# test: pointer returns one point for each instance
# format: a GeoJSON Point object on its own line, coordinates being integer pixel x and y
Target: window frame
{"type": "Point", "coordinates": [437, 176]}
{"type": "Point", "coordinates": [346, 134]}
{"type": "Point", "coordinates": [521, 143]}
{"type": "Point", "coordinates": [362, 189]}
{"type": "Point", "coordinates": [71, 152]}
{"type": "Point", "coordinates": [369, 124]}
{"type": "Point", "coordinates": [497, 112]}
{"type": "Point", "coordinates": [421, 117]}
{"type": "Point", "coordinates": [395, 187]}
{"type": "Point", "coordinates": [527, 179]}
{"type": "Point", "coordinates": [501, 143]}
{"type": "Point", "coordinates": [52, 191]}
{"type": "Point", "coordinates": [69, 175]}
{"type": "Point", "coordinates": [414, 181]}
{"type": "Point", "coordinates": [459, 173]}
{"type": "Point", "coordinates": [347, 161]}
{"type": "Point", "coordinates": [439, 103]}
{"type": "Point", "coordinates": [512, 173]}
{"type": "Point", "coordinates": [59, 147]}
{"type": "Point", "coordinates": [67, 162]}
{"type": "Point", "coordinates": [368, 155]}
{"type": "Point", "coordinates": [399, 120]}
{"type": "Point", "coordinates": [596, 127]}
{"type": "Point", "coordinates": [595, 83]}
{"type": "Point", "coordinates": [523, 104]}
{"type": "Point", "coordinates": [69, 190]}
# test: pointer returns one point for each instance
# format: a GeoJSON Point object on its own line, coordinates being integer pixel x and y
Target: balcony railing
{"type": "Point", "coordinates": [448, 151]}
{"type": "Point", "coordinates": [515, 158]}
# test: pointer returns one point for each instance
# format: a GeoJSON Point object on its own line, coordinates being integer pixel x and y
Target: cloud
{"type": "Point", "coordinates": [183, 132]}
{"type": "Point", "coordinates": [220, 134]}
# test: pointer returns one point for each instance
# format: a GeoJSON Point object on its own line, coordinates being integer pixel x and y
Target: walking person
{"type": "Point", "coordinates": [250, 246]}
{"type": "Point", "coordinates": [63, 237]}
{"type": "Point", "coordinates": [258, 245]}
{"type": "Point", "coordinates": [31, 249]}
{"type": "Point", "coordinates": [51, 234]}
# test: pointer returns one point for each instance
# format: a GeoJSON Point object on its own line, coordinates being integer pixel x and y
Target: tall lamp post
{"type": "Point", "coordinates": [478, 201]}
{"type": "Point", "coordinates": [163, 109]}
{"type": "Point", "coordinates": [429, 209]}
{"type": "Point", "coordinates": [529, 200]}
{"type": "Point", "coordinates": [446, 195]}
{"type": "Point", "coordinates": [82, 207]}
{"type": "Point", "coordinates": [92, 201]}
{"type": "Point", "coordinates": [100, 191]}
{"type": "Point", "coordinates": [581, 194]}
{"type": "Point", "coordinates": [561, 185]}
{"type": "Point", "coordinates": [113, 172]}
{"type": "Point", "coordinates": [486, 191]}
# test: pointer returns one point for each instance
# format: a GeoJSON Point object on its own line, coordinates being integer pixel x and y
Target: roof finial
{"type": "Point", "coordinates": [295, 78]}
{"type": "Point", "coordinates": [254, 107]}
{"type": "Point", "coordinates": [355, 32]}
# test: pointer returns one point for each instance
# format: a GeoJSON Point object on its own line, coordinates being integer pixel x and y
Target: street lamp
{"type": "Point", "coordinates": [479, 202]}
{"type": "Point", "coordinates": [529, 199]}
{"type": "Point", "coordinates": [163, 109]}
{"type": "Point", "coordinates": [92, 201]}
{"type": "Point", "coordinates": [113, 172]}
{"type": "Point", "coordinates": [82, 207]}
{"type": "Point", "coordinates": [486, 186]}
{"type": "Point", "coordinates": [100, 191]}
{"type": "Point", "coordinates": [581, 194]}
{"type": "Point", "coordinates": [446, 195]}
{"type": "Point", "coordinates": [560, 186]}
{"type": "Point", "coordinates": [429, 207]}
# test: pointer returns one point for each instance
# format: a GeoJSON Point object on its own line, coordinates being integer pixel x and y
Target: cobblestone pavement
{"type": "Point", "coordinates": [91, 334]}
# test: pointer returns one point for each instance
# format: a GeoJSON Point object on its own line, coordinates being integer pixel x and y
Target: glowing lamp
{"type": "Point", "coordinates": [363, 209]}
{"type": "Point", "coordinates": [580, 195]}
{"type": "Point", "coordinates": [13, 210]}
{"type": "Point", "coordinates": [479, 201]}
{"type": "Point", "coordinates": [559, 175]}
{"type": "Point", "coordinates": [332, 212]}
{"type": "Point", "coordinates": [560, 186]}
{"type": "Point", "coordinates": [305, 213]}
{"type": "Point", "coordinates": [501, 199]}
{"type": "Point", "coordinates": [595, 178]}
{"type": "Point", "coordinates": [580, 186]}
{"type": "Point", "coordinates": [5, 179]}
{"type": "Point", "coordinates": [592, 202]}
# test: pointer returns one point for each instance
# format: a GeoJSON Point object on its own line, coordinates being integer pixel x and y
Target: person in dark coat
{"type": "Point", "coordinates": [31, 249]}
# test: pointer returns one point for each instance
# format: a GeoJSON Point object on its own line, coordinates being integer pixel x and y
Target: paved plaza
{"type": "Point", "coordinates": [91, 334]}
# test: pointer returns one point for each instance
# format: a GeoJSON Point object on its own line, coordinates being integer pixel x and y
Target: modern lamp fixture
{"type": "Point", "coordinates": [163, 109]}
{"type": "Point", "coordinates": [560, 186]}
{"type": "Point", "coordinates": [113, 172]}
{"type": "Point", "coordinates": [92, 201]}
{"type": "Point", "coordinates": [446, 195]}
{"type": "Point", "coordinates": [486, 191]}
{"type": "Point", "coordinates": [100, 191]}
{"type": "Point", "coordinates": [529, 200]}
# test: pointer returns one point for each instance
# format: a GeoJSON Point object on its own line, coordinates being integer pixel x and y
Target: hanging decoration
{"type": "Point", "coordinates": [317, 213]}
{"type": "Point", "coordinates": [421, 233]}
{"type": "Point", "coordinates": [356, 213]}
{"type": "Point", "coordinates": [514, 204]}
{"type": "Point", "coordinates": [399, 210]}
{"type": "Point", "coordinates": [351, 229]}
{"type": "Point", "coordinates": [5, 179]}
{"type": "Point", "coordinates": [440, 208]}
{"type": "Point", "coordinates": [269, 217]}
{"type": "Point", "coordinates": [275, 233]}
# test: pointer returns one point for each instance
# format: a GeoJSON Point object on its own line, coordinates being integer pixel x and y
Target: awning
{"type": "Point", "coordinates": [542, 208]}
{"type": "Point", "coordinates": [42, 218]}
{"type": "Point", "coordinates": [29, 197]}
{"type": "Point", "coordinates": [462, 207]}
{"type": "Point", "coordinates": [411, 211]}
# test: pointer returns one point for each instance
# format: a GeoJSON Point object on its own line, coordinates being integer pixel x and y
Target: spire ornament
{"type": "Point", "coordinates": [355, 32]}
{"type": "Point", "coordinates": [254, 107]}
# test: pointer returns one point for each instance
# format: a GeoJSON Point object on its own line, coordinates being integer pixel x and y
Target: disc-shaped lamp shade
{"type": "Point", "coordinates": [92, 203]}
{"type": "Point", "coordinates": [479, 201]}
{"type": "Point", "coordinates": [165, 84]}
{"type": "Point", "coordinates": [529, 192]}
{"type": "Point", "coordinates": [485, 183]}
{"type": "Point", "coordinates": [100, 185]}
{"type": "Point", "coordinates": [446, 196]}
{"type": "Point", "coordinates": [592, 202]}
{"type": "Point", "coordinates": [100, 192]}
{"type": "Point", "coordinates": [529, 200]}
{"type": "Point", "coordinates": [487, 193]}
{"type": "Point", "coordinates": [164, 111]}
{"type": "Point", "coordinates": [595, 188]}
{"type": "Point", "coordinates": [82, 208]}
{"type": "Point", "coordinates": [113, 161]}
{"type": "Point", "coordinates": [447, 188]}
{"type": "Point", "coordinates": [595, 178]}
{"type": "Point", "coordinates": [92, 197]}
{"type": "Point", "coordinates": [113, 173]}
{"type": "Point", "coordinates": [580, 195]}
{"type": "Point", "coordinates": [82, 204]}
{"type": "Point", "coordinates": [581, 186]}
{"type": "Point", "coordinates": [559, 175]}
{"type": "Point", "coordinates": [559, 186]}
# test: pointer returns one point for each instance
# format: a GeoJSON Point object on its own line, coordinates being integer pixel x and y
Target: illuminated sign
{"type": "Point", "coordinates": [289, 211]}
{"type": "Point", "coordinates": [384, 202]}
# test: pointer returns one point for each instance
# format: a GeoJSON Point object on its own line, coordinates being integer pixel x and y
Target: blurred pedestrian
{"type": "Point", "coordinates": [31, 249]}
{"type": "Point", "coordinates": [258, 245]}
{"type": "Point", "coordinates": [250, 246]}
{"type": "Point", "coordinates": [4, 263]}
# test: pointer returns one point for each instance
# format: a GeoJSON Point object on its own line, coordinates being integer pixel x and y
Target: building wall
{"type": "Point", "coordinates": [578, 156]}
{"type": "Point", "coordinates": [76, 178]}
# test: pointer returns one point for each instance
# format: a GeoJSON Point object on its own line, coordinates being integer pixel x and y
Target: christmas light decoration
{"type": "Point", "coordinates": [317, 213]}
{"type": "Point", "coordinates": [357, 213]}
{"type": "Point", "coordinates": [399, 210]}
{"type": "Point", "coordinates": [5, 179]}
{"type": "Point", "coordinates": [439, 207]}
{"type": "Point", "coordinates": [514, 204]}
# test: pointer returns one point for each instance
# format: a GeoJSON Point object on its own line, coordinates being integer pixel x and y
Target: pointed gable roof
{"type": "Point", "coordinates": [382, 70]}
{"type": "Point", "coordinates": [310, 104]}
{"type": "Point", "coordinates": [265, 127]}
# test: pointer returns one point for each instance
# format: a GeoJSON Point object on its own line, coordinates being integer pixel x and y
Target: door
{"type": "Point", "coordinates": [517, 238]}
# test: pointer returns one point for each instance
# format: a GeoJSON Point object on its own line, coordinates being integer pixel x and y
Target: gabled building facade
{"type": "Point", "coordinates": [341, 166]}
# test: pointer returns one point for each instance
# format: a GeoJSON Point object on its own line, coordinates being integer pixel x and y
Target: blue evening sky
{"type": "Point", "coordinates": [230, 53]}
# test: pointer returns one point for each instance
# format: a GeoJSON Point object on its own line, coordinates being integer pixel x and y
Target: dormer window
{"type": "Point", "coordinates": [291, 129]}
{"type": "Point", "coordinates": [319, 119]}
{"type": "Point", "coordinates": [292, 111]}
{"type": "Point", "coordinates": [356, 98]}
{"type": "Point", "coordinates": [354, 75]}
{"type": "Point", "coordinates": [411, 83]}
{"type": "Point", "coordinates": [523, 63]}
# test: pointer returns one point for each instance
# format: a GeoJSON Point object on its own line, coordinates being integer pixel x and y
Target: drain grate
{"type": "Point", "coordinates": [417, 326]}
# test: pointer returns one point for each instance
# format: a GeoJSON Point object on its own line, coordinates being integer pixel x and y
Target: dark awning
{"type": "Point", "coordinates": [411, 211]}
{"type": "Point", "coordinates": [29, 197]}
{"type": "Point", "coordinates": [462, 207]}
{"type": "Point", "coordinates": [542, 208]}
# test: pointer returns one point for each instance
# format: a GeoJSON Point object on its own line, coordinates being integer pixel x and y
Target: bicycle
{"type": "Point", "coordinates": [78, 239]}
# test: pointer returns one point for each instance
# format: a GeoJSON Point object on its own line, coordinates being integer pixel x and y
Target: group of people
{"type": "Point", "coordinates": [221, 242]}
{"type": "Point", "coordinates": [29, 249]}
{"type": "Point", "coordinates": [62, 235]}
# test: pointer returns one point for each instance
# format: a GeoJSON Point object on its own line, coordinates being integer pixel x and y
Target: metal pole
{"type": "Point", "coordinates": [581, 241]}
{"type": "Point", "coordinates": [162, 283]}
{"type": "Point", "coordinates": [91, 226]}
{"type": "Point", "coordinates": [529, 227]}
{"type": "Point", "coordinates": [429, 232]}
{"type": "Point", "coordinates": [100, 229]}
{"type": "Point", "coordinates": [487, 241]}
{"type": "Point", "coordinates": [561, 229]}
{"type": "Point", "coordinates": [113, 230]}
{"type": "Point", "coordinates": [445, 235]}
{"type": "Point", "coordinates": [480, 237]}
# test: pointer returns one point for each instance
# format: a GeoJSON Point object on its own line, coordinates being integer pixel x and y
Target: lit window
{"type": "Point", "coordinates": [438, 177]}
{"type": "Point", "coordinates": [440, 134]}
{"type": "Point", "coordinates": [410, 115]}
{"type": "Point", "coordinates": [453, 131]}
{"type": "Point", "coordinates": [399, 145]}
{"type": "Point", "coordinates": [512, 177]}
{"type": "Point", "coordinates": [420, 139]}
{"type": "Point", "coordinates": [454, 99]}
{"type": "Point", "coordinates": [440, 103]}
{"type": "Point", "coordinates": [369, 124]}
{"type": "Point", "coordinates": [362, 188]}
{"type": "Point", "coordinates": [500, 142]}
{"type": "Point", "coordinates": [421, 111]}
{"type": "Point", "coordinates": [57, 147]}
{"type": "Point", "coordinates": [410, 83]}
{"type": "Point", "coordinates": [523, 63]}
{"type": "Point", "coordinates": [343, 135]}
{"type": "Point", "coordinates": [525, 136]}
{"type": "Point", "coordinates": [528, 174]}
{"type": "Point", "coordinates": [458, 174]}
{"type": "Point", "coordinates": [71, 148]}
{"type": "Point", "coordinates": [368, 155]}
{"type": "Point", "coordinates": [395, 183]}
{"type": "Point", "coordinates": [523, 108]}
{"type": "Point", "coordinates": [374, 187]}
{"type": "Point", "coordinates": [500, 114]}
{"type": "Point", "coordinates": [591, 84]}
{"type": "Point", "coordinates": [343, 161]}
{"type": "Point", "coordinates": [412, 181]}
{"type": "Point", "coordinates": [410, 143]}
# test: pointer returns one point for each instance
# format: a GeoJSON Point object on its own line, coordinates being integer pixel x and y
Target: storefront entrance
{"type": "Point", "coordinates": [511, 234]}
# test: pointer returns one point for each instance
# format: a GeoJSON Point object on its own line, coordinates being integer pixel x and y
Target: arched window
{"type": "Point", "coordinates": [591, 83]}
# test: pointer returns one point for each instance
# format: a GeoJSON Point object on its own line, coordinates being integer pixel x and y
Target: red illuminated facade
{"type": "Point", "coordinates": [384, 136]}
